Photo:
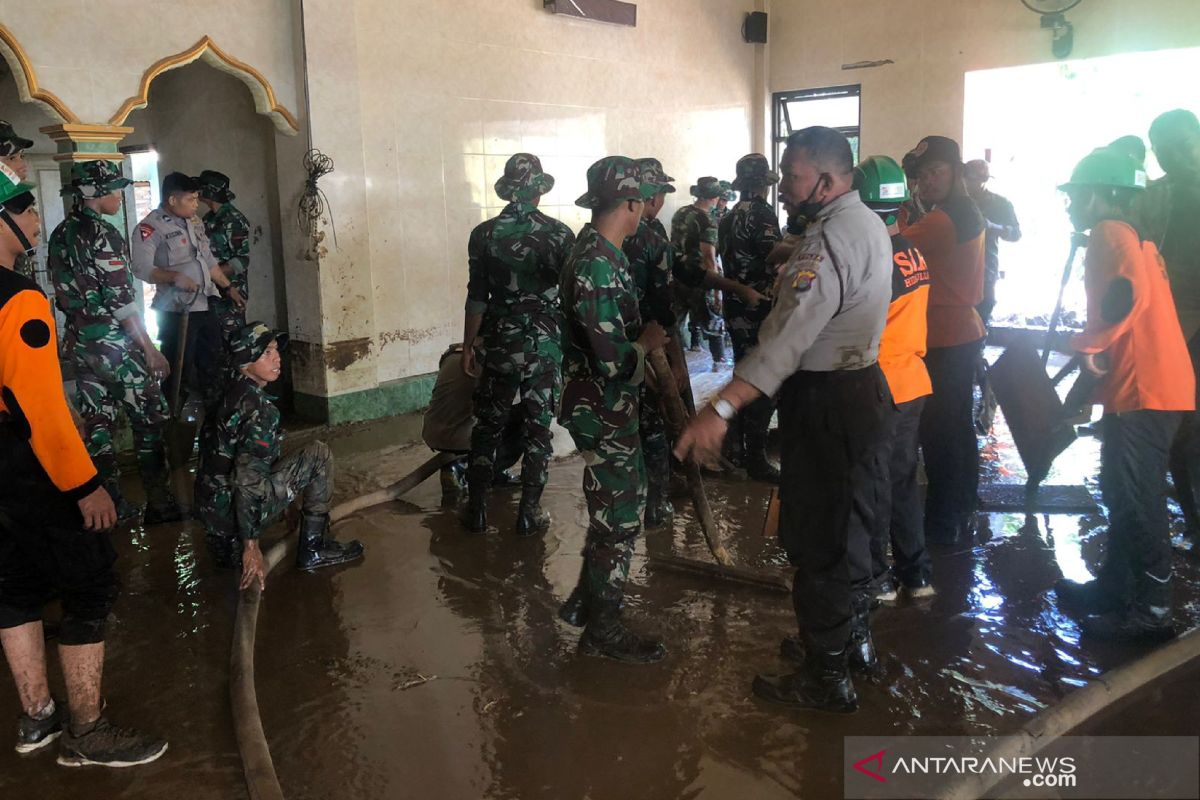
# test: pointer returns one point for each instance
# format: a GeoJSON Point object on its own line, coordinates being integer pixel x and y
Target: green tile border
{"type": "Point", "coordinates": [386, 400]}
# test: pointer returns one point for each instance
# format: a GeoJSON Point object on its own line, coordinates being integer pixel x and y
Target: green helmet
{"type": "Point", "coordinates": [1104, 167]}
{"type": "Point", "coordinates": [880, 181]}
{"type": "Point", "coordinates": [11, 184]}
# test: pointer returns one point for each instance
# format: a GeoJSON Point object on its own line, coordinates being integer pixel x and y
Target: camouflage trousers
{"type": "Point", "coordinates": [110, 379]}
{"type": "Point", "coordinates": [536, 384]}
{"type": "Point", "coordinates": [656, 447]}
{"type": "Point", "coordinates": [306, 473]}
{"type": "Point", "coordinates": [614, 485]}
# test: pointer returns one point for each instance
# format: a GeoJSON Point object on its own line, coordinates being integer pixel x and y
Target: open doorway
{"type": "Point", "coordinates": [1033, 124]}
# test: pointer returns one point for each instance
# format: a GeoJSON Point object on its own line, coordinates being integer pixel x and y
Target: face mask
{"type": "Point", "coordinates": [30, 248]}
{"type": "Point", "coordinates": [806, 209]}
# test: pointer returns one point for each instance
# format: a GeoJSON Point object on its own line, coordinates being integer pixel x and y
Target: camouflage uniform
{"type": "Point", "coordinates": [514, 262]}
{"type": "Point", "coordinates": [12, 144]}
{"type": "Point", "coordinates": [649, 254]}
{"type": "Point", "coordinates": [691, 227]}
{"type": "Point", "coordinates": [228, 233]}
{"type": "Point", "coordinates": [747, 236]}
{"type": "Point", "coordinates": [604, 367]}
{"type": "Point", "coordinates": [94, 291]}
{"type": "Point", "coordinates": [242, 484]}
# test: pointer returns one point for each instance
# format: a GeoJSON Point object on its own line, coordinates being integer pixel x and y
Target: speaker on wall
{"type": "Point", "coordinates": [754, 29]}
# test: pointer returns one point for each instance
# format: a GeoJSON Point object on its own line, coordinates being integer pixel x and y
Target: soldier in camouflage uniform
{"type": "Point", "coordinates": [728, 195]}
{"type": "Point", "coordinates": [747, 236]}
{"type": "Point", "coordinates": [117, 368]}
{"type": "Point", "coordinates": [243, 485]}
{"type": "Point", "coordinates": [604, 362]}
{"type": "Point", "coordinates": [12, 155]}
{"type": "Point", "coordinates": [228, 233]}
{"type": "Point", "coordinates": [512, 337]}
{"type": "Point", "coordinates": [649, 254]}
{"type": "Point", "coordinates": [694, 239]}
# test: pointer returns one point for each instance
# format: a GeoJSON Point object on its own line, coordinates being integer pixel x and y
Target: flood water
{"type": "Point", "coordinates": [438, 667]}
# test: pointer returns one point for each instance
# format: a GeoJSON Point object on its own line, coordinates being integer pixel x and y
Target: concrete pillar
{"type": "Point", "coordinates": [80, 142]}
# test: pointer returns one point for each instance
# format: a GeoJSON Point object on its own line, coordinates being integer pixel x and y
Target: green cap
{"type": "Point", "coordinates": [613, 178]}
{"type": "Point", "coordinates": [754, 172]}
{"type": "Point", "coordinates": [11, 184]}
{"type": "Point", "coordinates": [1106, 167]}
{"type": "Point", "coordinates": [523, 179]}
{"type": "Point", "coordinates": [214, 186]}
{"type": "Point", "coordinates": [655, 180]}
{"type": "Point", "coordinates": [707, 188]}
{"type": "Point", "coordinates": [880, 181]}
{"type": "Point", "coordinates": [251, 340]}
{"type": "Point", "coordinates": [92, 179]}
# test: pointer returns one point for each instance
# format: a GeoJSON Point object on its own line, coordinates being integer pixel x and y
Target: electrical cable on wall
{"type": "Point", "coordinates": [313, 202]}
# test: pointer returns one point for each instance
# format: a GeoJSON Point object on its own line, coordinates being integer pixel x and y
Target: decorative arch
{"type": "Point", "coordinates": [206, 50]}
{"type": "Point", "coordinates": [26, 78]}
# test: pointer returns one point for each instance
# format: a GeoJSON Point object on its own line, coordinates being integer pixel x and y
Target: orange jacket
{"type": "Point", "coordinates": [1131, 319]}
{"type": "Point", "coordinates": [902, 346]}
{"type": "Point", "coordinates": [31, 387]}
{"type": "Point", "coordinates": [951, 237]}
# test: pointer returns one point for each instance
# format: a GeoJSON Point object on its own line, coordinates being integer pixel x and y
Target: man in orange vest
{"type": "Point", "coordinates": [1134, 342]}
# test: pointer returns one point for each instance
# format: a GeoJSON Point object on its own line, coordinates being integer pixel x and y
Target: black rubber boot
{"type": "Point", "coordinates": [532, 519]}
{"type": "Point", "coordinates": [574, 610]}
{"type": "Point", "coordinates": [161, 506]}
{"type": "Point", "coordinates": [126, 511]}
{"type": "Point", "coordinates": [822, 684]}
{"type": "Point", "coordinates": [453, 479]}
{"type": "Point", "coordinates": [863, 658]}
{"type": "Point", "coordinates": [316, 550]}
{"type": "Point", "coordinates": [1148, 619]}
{"type": "Point", "coordinates": [474, 516]}
{"type": "Point", "coordinates": [607, 637]}
{"type": "Point", "coordinates": [1093, 597]}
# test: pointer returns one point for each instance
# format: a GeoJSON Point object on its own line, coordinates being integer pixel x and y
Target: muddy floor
{"type": "Point", "coordinates": [438, 668]}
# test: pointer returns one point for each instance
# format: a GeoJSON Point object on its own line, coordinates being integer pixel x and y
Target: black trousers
{"type": "Point", "coordinates": [1133, 484]}
{"type": "Point", "coordinates": [899, 517]}
{"type": "Point", "coordinates": [830, 424]}
{"type": "Point", "coordinates": [1185, 454]}
{"type": "Point", "coordinates": [202, 377]}
{"type": "Point", "coordinates": [947, 435]}
{"type": "Point", "coordinates": [45, 552]}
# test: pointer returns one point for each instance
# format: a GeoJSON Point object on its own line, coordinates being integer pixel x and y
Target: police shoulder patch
{"type": "Point", "coordinates": [804, 280]}
{"type": "Point", "coordinates": [146, 230]}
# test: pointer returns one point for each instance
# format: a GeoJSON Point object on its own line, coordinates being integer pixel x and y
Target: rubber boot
{"type": "Point", "coordinates": [474, 516]}
{"type": "Point", "coordinates": [453, 478]}
{"type": "Point", "coordinates": [161, 506]}
{"type": "Point", "coordinates": [126, 511]}
{"type": "Point", "coordinates": [658, 508]}
{"type": "Point", "coordinates": [822, 683]}
{"type": "Point", "coordinates": [315, 550]}
{"type": "Point", "coordinates": [532, 519]}
{"type": "Point", "coordinates": [574, 610]}
{"type": "Point", "coordinates": [1108, 592]}
{"type": "Point", "coordinates": [607, 637]}
{"type": "Point", "coordinates": [1148, 619]}
{"type": "Point", "coordinates": [863, 658]}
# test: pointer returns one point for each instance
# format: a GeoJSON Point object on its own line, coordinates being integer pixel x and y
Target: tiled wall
{"type": "Point", "coordinates": [449, 90]}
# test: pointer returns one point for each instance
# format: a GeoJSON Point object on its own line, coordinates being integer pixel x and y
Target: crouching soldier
{"type": "Point", "coordinates": [244, 485]}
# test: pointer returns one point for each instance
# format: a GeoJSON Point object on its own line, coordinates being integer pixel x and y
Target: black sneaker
{"type": "Point", "coordinates": [34, 734]}
{"type": "Point", "coordinates": [106, 745]}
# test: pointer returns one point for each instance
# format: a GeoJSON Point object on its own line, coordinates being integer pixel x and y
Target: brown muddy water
{"type": "Point", "coordinates": [438, 668]}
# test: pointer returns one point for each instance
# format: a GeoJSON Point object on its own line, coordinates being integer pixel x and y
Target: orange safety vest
{"type": "Point", "coordinates": [902, 346]}
{"type": "Point", "coordinates": [1148, 364]}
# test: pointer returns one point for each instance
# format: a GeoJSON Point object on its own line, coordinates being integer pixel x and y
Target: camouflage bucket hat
{"type": "Point", "coordinates": [613, 178]}
{"type": "Point", "coordinates": [655, 180]}
{"type": "Point", "coordinates": [251, 341]}
{"type": "Point", "coordinates": [523, 179]}
{"type": "Point", "coordinates": [728, 193]}
{"type": "Point", "coordinates": [754, 172]}
{"type": "Point", "coordinates": [215, 186]}
{"type": "Point", "coordinates": [707, 188]}
{"type": "Point", "coordinates": [93, 179]}
{"type": "Point", "coordinates": [10, 142]}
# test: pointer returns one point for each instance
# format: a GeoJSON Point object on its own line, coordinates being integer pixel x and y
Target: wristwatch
{"type": "Point", "coordinates": [724, 408]}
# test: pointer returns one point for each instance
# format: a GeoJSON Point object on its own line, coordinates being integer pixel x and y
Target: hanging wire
{"type": "Point", "coordinates": [313, 202]}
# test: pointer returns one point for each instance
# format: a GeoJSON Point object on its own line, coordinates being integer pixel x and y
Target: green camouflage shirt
{"type": "Point", "coordinates": [748, 234]}
{"type": "Point", "coordinates": [650, 256]}
{"type": "Point", "coordinates": [514, 261]}
{"type": "Point", "coordinates": [691, 227]}
{"type": "Point", "coordinates": [228, 233]}
{"type": "Point", "coordinates": [236, 465]}
{"type": "Point", "coordinates": [92, 284]}
{"type": "Point", "coordinates": [602, 364]}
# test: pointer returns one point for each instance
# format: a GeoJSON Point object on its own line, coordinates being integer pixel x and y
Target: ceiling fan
{"type": "Point", "coordinates": [1052, 12]}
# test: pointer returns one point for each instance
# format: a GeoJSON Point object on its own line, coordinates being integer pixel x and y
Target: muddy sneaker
{"type": "Point", "coordinates": [885, 591]}
{"type": "Point", "coordinates": [106, 745]}
{"type": "Point", "coordinates": [34, 734]}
